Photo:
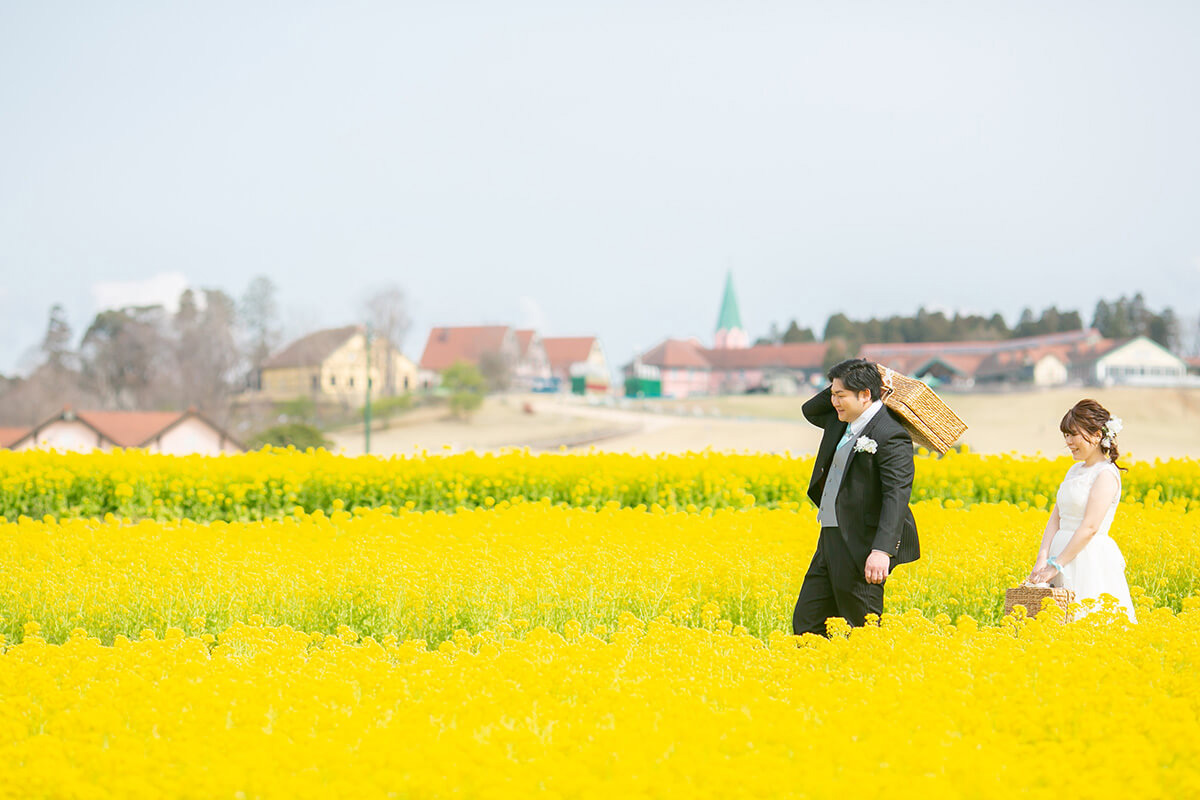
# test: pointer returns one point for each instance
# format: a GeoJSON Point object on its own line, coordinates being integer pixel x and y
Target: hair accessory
{"type": "Point", "coordinates": [1110, 431]}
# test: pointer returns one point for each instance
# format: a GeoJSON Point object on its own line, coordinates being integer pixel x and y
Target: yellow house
{"type": "Point", "coordinates": [331, 366]}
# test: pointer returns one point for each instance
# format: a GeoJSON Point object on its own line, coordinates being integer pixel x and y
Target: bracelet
{"type": "Point", "coordinates": [1052, 561]}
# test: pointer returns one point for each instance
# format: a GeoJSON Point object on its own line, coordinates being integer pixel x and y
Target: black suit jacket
{"type": "Point", "coordinates": [872, 503]}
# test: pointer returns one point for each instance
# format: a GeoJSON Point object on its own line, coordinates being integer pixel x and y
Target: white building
{"type": "Point", "coordinates": [1135, 362]}
{"type": "Point", "coordinates": [168, 432]}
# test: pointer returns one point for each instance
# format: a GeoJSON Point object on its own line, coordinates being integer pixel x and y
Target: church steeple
{"type": "Point", "coordinates": [730, 333]}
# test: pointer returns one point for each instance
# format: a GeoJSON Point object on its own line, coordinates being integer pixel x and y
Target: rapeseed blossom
{"type": "Point", "coordinates": [270, 483]}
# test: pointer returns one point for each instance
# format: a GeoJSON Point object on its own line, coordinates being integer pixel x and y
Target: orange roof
{"type": "Point", "coordinates": [563, 351]}
{"type": "Point", "coordinates": [122, 428]}
{"type": "Point", "coordinates": [469, 343]}
{"type": "Point", "coordinates": [881, 351]}
{"type": "Point", "coordinates": [675, 353]}
{"type": "Point", "coordinates": [679, 353]}
{"type": "Point", "coordinates": [798, 355]}
{"type": "Point", "coordinates": [988, 357]}
{"type": "Point", "coordinates": [129, 428]}
{"type": "Point", "coordinates": [963, 363]}
{"type": "Point", "coordinates": [10, 436]}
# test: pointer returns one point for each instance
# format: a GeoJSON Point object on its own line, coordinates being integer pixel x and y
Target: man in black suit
{"type": "Point", "coordinates": [861, 483]}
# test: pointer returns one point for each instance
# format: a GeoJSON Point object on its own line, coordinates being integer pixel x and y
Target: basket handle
{"type": "Point", "coordinates": [887, 381]}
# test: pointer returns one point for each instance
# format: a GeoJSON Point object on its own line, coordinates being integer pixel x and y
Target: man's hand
{"type": "Point", "coordinates": [877, 566]}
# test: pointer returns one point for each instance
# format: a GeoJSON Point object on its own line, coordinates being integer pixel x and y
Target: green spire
{"type": "Point", "coordinates": [729, 318]}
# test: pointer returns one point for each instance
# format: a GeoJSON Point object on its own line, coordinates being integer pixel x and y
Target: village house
{"type": "Point", "coordinates": [167, 432]}
{"type": "Point", "coordinates": [1080, 357]}
{"type": "Point", "coordinates": [685, 367]}
{"type": "Point", "coordinates": [331, 366]}
{"type": "Point", "coordinates": [1139, 361]}
{"type": "Point", "coordinates": [577, 364]}
{"type": "Point", "coordinates": [487, 347]}
{"type": "Point", "coordinates": [532, 370]}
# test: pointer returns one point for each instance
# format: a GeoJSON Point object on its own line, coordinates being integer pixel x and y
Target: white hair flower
{"type": "Point", "coordinates": [1110, 430]}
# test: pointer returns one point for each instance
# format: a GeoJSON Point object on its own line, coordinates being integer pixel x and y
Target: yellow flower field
{"type": "Point", "coordinates": [915, 708]}
{"type": "Point", "coordinates": [424, 575]}
{"type": "Point", "coordinates": [298, 625]}
{"type": "Point", "coordinates": [270, 483]}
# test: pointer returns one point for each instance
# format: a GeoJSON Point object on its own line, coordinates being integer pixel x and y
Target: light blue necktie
{"type": "Point", "coordinates": [845, 438]}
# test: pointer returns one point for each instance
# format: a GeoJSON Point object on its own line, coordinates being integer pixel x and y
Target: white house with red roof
{"type": "Point", "coordinates": [167, 432]}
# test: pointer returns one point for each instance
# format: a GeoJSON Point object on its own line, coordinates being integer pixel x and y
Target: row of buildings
{"type": "Point", "coordinates": [333, 365]}
{"type": "Point", "coordinates": [166, 432]}
{"type": "Point", "coordinates": [685, 367]}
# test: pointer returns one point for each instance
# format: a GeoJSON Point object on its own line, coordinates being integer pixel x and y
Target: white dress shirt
{"type": "Point", "coordinates": [868, 414]}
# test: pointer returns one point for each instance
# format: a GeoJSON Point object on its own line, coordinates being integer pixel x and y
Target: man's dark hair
{"type": "Point", "coordinates": [858, 375]}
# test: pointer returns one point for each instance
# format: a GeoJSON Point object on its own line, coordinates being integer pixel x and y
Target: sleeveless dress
{"type": "Point", "coordinates": [1099, 568]}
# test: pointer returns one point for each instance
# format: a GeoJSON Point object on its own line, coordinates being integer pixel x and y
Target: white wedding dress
{"type": "Point", "coordinates": [1099, 568]}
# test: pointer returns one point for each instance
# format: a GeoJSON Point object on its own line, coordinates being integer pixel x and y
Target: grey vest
{"type": "Point", "coordinates": [827, 513]}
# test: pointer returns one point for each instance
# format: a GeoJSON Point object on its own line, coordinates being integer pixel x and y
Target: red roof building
{"type": "Point", "coordinates": [685, 367]}
{"type": "Point", "coordinates": [577, 356]}
{"type": "Point", "coordinates": [1040, 360]}
{"type": "Point", "coordinates": [520, 350]}
{"type": "Point", "coordinates": [169, 432]}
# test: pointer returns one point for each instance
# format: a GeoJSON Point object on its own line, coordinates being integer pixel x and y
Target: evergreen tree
{"type": "Point", "coordinates": [795, 334]}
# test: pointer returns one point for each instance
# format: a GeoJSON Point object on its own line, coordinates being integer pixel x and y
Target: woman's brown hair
{"type": "Point", "coordinates": [1087, 418]}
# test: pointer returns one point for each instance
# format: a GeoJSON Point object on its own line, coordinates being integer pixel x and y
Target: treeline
{"type": "Point", "coordinates": [1118, 319]}
{"type": "Point", "coordinates": [152, 358]}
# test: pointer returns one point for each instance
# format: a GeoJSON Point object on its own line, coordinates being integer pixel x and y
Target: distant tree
{"type": "Point", "coordinates": [1026, 324]}
{"type": "Point", "coordinates": [387, 311]}
{"type": "Point", "coordinates": [258, 318]}
{"type": "Point", "coordinates": [496, 371]}
{"type": "Point", "coordinates": [795, 334]}
{"type": "Point", "coordinates": [838, 350]}
{"type": "Point", "coordinates": [998, 324]}
{"type": "Point", "coordinates": [838, 325]}
{"type": "Point", "coordinates": [1102, 317]}
{"type": "Point", "coordinates": [467, 387]}
{"type": "Point", "coordinates": [1164, 329]}
{"type": "Point", "coordinates": [1128, 317]}
{"type": "Point", "coordinates": [123, 355]}
{"type": "Point", "coordinates": [56, 343]}
{"type": "Point", "coordinates": [207, 356]}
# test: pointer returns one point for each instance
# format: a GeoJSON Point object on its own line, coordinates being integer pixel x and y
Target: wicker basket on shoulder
{"type": "Point", "coordinates": [928, 420]}
{"type": "Point", "coordinates": [1031, 598]}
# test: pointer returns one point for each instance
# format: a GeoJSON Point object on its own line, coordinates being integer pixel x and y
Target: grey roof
{"type": "Point", "coordinates": [311, 350]}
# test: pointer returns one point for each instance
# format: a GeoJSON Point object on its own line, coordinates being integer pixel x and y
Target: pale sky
{"type": "Point", "coordinates": [595, 168]}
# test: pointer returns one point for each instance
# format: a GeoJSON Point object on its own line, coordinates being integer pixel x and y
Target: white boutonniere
{"type": "Point", "coordinates": [865, 444]}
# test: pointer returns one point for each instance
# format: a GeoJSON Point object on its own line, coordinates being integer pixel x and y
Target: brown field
{"type": "Point", "coordinates": [1159, 423]}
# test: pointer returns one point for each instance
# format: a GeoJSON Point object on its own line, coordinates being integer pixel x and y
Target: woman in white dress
{"type": "Point", "coordinates": [1077, 552]}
